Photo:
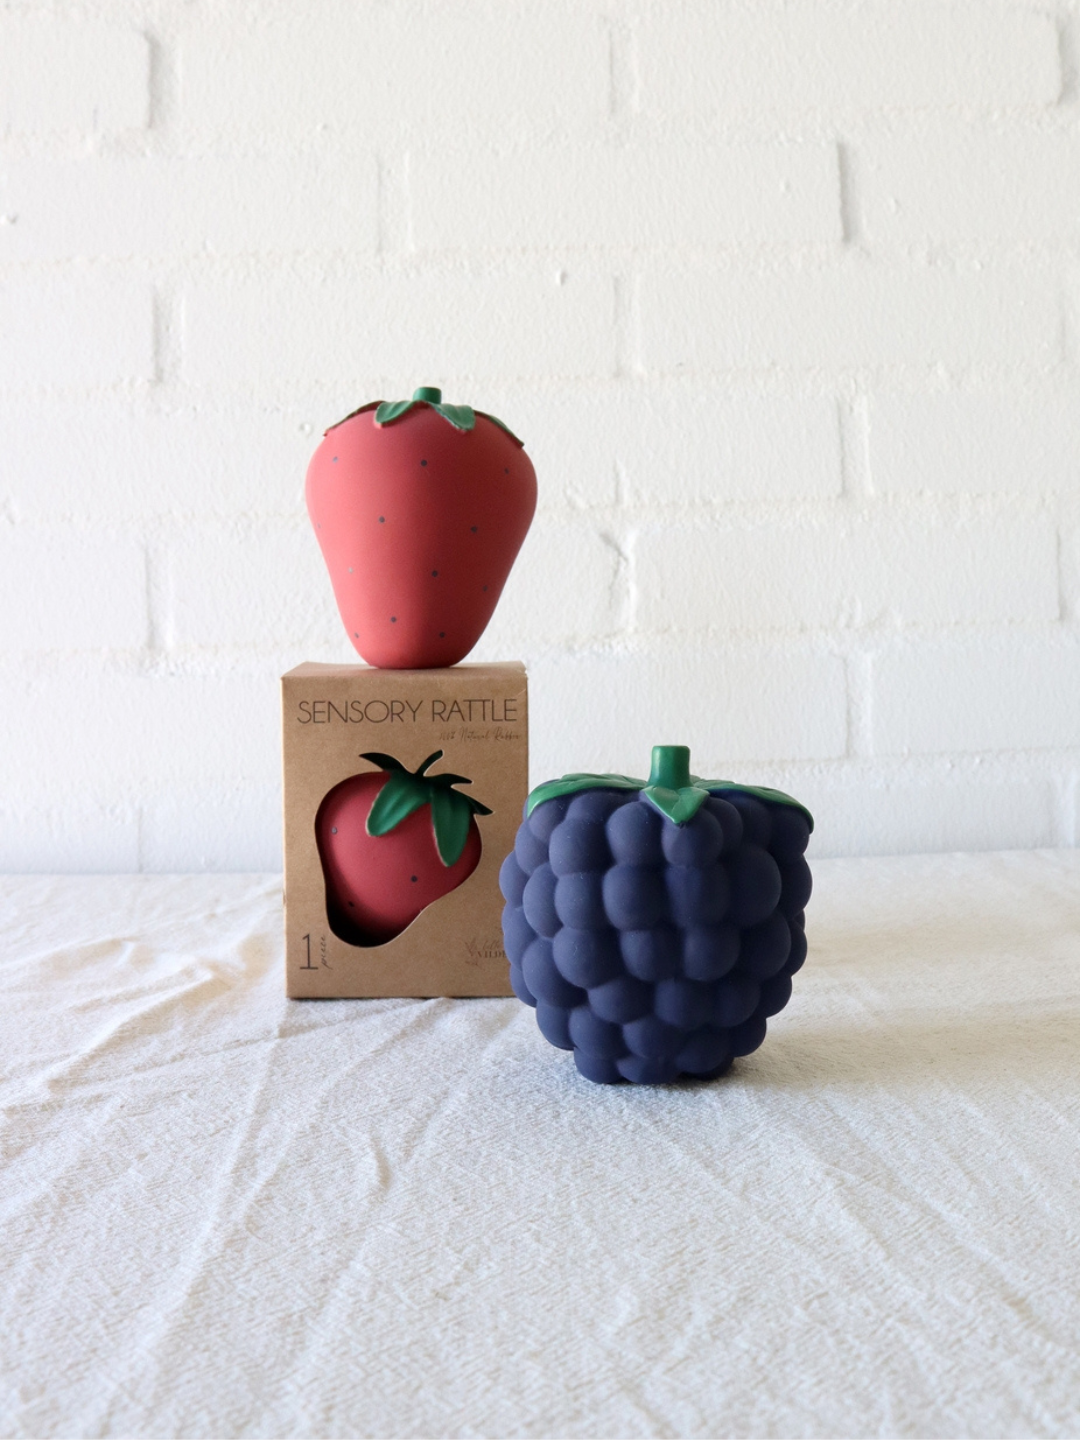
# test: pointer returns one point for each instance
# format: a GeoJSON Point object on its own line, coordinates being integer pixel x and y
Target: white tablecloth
{"type": "Point", "coordinates": [224, 1213]}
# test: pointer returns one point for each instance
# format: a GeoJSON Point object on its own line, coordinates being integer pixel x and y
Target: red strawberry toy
{"type": "Point", "coordinates": [392, 842]}
{"type": "Point", "coordinates": [420, 509]}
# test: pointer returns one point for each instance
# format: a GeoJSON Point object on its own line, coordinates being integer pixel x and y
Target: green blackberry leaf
{"type": "Point", "coordinates": [670, 788]}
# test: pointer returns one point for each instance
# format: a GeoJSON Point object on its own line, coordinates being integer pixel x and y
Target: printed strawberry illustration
{"type": "Point", "coordinates": [420, 509]}
{"type": "Point", "coordinates": [392, 842]}
{"type": "Point", "coordinates": [656, 924]}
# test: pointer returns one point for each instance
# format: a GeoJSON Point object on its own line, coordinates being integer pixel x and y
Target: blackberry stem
{"type": "Point", "coordinates": [670, 767]}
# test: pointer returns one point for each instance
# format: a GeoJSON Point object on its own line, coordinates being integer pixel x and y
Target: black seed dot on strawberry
{"type": "Point", "coordinates": [393, 619]}
{"type": "Point", "coordinates": [485, 587]}
{"type": "Point", "coordinates": [335, 459]}
{"type": "Point", "coordinates": [382, 519]}
{"type": "Point", "coordinates": [356, 634]}
{"type": "Point", "coordinates": [333, 829]}
{"type": "Point", "coordinates": [442, 634]}
{"type": "Point", "coordinates": [507, 470]}
{"type": "Point", "coordinates": [414, 879]}
{"type": "Point", "coordinates": [475, 528]}
{"type": "Point", "coordinates": [423, 462]}
{"type": "Point", "coordinates": [434, 573]}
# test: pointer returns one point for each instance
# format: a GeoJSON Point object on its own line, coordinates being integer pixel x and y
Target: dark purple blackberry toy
{"type": "Point", "coordinates": [656, 924]}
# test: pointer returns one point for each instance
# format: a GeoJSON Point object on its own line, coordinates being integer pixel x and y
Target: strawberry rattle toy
{"type": "Point", "coordinates": [655, 924]}
{"type": "Point", "coordinates": [392, 842]}
{"type": "Point", "coordinates": [420, 509]}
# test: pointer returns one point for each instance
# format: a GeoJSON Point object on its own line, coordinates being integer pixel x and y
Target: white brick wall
{"type": "Point", "coordinates": [727, 59]}
{"type": "Point", "coordinates": [850, 316]}
{"type": "Point", "coordinates": [782, 297]}
{"type": "Point", "coordinates": [74, 76]}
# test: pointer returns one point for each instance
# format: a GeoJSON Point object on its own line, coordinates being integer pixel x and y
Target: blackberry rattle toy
{"type": "Point", "coordinates": [655, 924]}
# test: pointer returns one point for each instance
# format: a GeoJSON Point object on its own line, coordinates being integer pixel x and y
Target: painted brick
{"type": "Point", "coordinates": [111, 459]}
{"type": "Point", "coordinates": [71, 592]}
{"type": "Point", "coordinates": [969, 186]}
{"type": "Point", "coordinates": [110, 735]}
{"type": "Point", "coordinates": [61, 75]}
{"type": "Point", "coordinates": [91, 332]}
{"type": "Point", "coordinates": [245, 584]}
{"type": "Point", "coordinates": [75, 835]}
{"type": "Point", "coordinates": [591, 196]}
{"type": "Point", "coordinates": [345, 73]}
{"type": "Point", "coordinates": [982, 443]}
{"type": "Point", "coordinates": [977, 695]}
{"type": "Point", "coordinates": [569, 432]}
{"type": "Point", "coordinates": [689, 447]}
{"type": "Point", "coordinates": [458, 325]}
{"type": "Point", "coordinates": [605, 712]}
{"type": "Point", "coordinates": [837, 574]}
{"type": "Point", "coordinates": [715, 59]}
{"type": "Point", "coordinates": [153, 205]}
{"type": "Point", "coordinates": [709, 447]}
{"type": "Point", "coordinates": [235, 829]}
{"type": "Point", "coordinates": [567, 585]}
{"type": "Point", "coordinates": [889, 815]}
{"type": "Point", "coordinates": [854, 316]}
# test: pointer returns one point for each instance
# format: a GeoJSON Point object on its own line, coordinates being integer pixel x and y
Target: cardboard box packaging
{"type": "Point", "coordinates": [477, 715]}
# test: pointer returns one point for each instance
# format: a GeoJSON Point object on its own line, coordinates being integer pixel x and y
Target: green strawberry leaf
{"type": "Point", "coordinates": [462, 417]}
{"type": "Point", "coordinates": [473, 804]}
{"type": "Point", "coordinates": [384, 762]}
{"type": "Point", "coordinates": [450, 819]}
{"type": "Point", "coordinates": [395, 802]}
{"type": "Point", "coordinates": [406, 792]}
{"type": "Point", "coordinates": [391, 410]}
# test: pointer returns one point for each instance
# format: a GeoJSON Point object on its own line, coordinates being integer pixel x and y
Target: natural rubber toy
{"type": "Point", "coordinates": [392, 842]}
{"type": "Point", "coordinates": [656, 924]}
{"type": "Point", "coordinates": [420, 509]}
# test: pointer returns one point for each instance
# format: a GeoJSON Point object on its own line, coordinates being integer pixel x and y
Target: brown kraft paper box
{"type": "Point", "coordinates": [477, 715]}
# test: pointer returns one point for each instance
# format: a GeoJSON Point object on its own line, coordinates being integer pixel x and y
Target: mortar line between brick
{"type": "Point", "coordinates": [859, 671]}
{"type": "Point", "coordinates": [1068, 60]}
{"type": "Point", "coordinates": [1059, 561]}
{"type": "Point", "coordinates": [627, 326]}
{"type": "Point", "coordinates": [380, 205]}
{"type": "Point", "coordinates": [155, 82]}
{"type": "Point", "coordinates": [148, 590]}
{"type": "Point", "coordinates": [850, 216]}
{"type": "Point", "coordinates": [621, 69]}
{"type": "Point", "coordinates": [853, 418]}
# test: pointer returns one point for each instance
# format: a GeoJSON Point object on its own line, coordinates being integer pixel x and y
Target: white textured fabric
{"type": "Point", "coordinates": [224, 1213]}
